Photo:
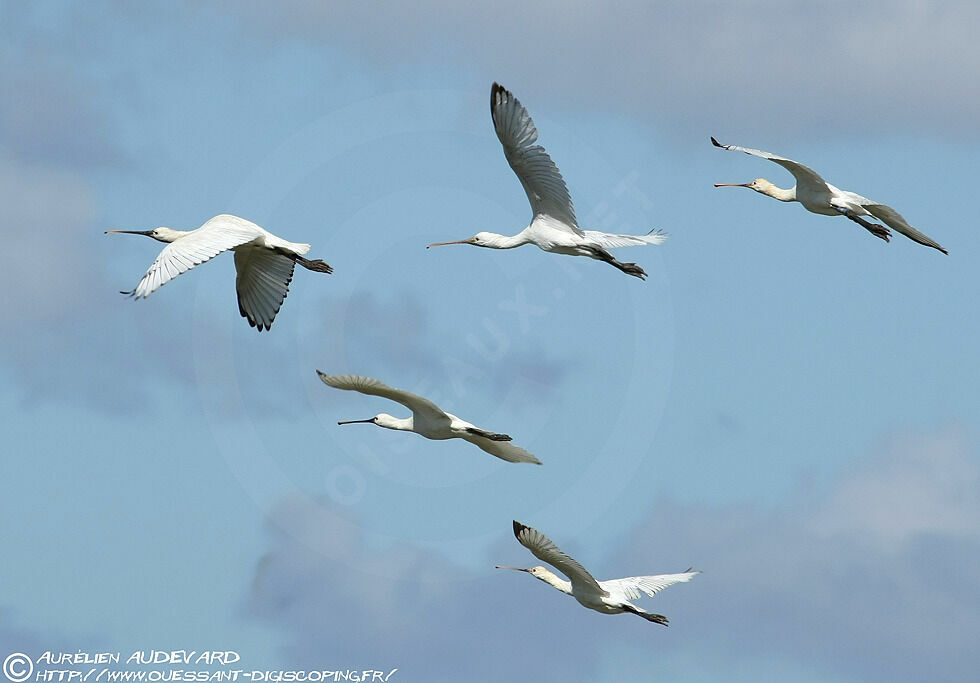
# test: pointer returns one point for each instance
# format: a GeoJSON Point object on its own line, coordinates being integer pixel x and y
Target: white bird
{"type": "Point", "coordinates": [427, 418]}
{"type": "Point", "coordinates": [608, 597]}
{"type": "Point", "coordinates": [553, 227]}
{"type": "Point", "coordinates": [819, 196]}
{"type": "Point", "coordinates": [264, 262]}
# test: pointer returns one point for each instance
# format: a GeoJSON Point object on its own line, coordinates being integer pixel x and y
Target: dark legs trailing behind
{"type": "Point", "coordinates": [628, 268]}
{"type": "Point", "coordinates": [315, 265]}
{"type": "Point", "coordinates": [875, 229]}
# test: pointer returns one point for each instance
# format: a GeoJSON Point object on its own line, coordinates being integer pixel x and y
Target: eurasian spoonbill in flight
{"type": "Point", "coordinates": [263, 261]}
{"type": "Point", "coordinates": [819, 196]}
{"type": "Point", "coordinates": [608, 597]}
{"type": "Point", "coordinates": [427, 418]}
{"type": "Point", "coordinates": [553, 227]}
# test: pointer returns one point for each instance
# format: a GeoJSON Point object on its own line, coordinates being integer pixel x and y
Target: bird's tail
{"type": "Point", "coordinates": [285, 245]}
{"type": "Point", "coordinates": [612, 241]}
{"type": "Point", "coordinates": [655, 236]}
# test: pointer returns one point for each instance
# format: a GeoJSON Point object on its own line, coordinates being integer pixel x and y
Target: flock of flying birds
{"type": "Point", "coordinates": [264, 264]}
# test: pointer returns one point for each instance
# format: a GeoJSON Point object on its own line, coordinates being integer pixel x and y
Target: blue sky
{"type": "Point", "coordinates": [787, 403]}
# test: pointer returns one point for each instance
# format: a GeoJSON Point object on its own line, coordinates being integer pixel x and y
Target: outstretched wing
{"type": "Point", "coordinates": [262, 283]}
{"type": "Point", "coordinates": [193, 249]}
{"type": "Point", "coordinates": [609, 241]}
{"type": "Point", "coordinates": [631, 587]}
{"type": "Point", "coordinates": [538, 174]}
{"type": "Point", "coordinates": [896, 222]}
{"type": "Point", "coordinates": [806, 177]}
{"type": "Point", "coordinates": [367, 385]}
{"type": "Point", "coordinates": [504, 450]}
{"type": "Point", "coordinates": [545, 550]}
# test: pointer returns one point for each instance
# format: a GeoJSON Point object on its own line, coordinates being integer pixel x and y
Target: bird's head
{"type": "Point", "coordinates": [381, 419]}
{"type": "Point", "coordinates": [160, 234]}
{"type": "Point", "coordinates": [537, 572]}
{"type": "Point", "coordinates": [480, 239]}
{"type": "Point", "coordinates": [759, 185]}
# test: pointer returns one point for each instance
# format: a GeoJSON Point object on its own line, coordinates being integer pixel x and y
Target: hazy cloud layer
{"type": "Point", "coordinates": [338, 600]}
{"type": "Point", "coordinates": [58, 294]}
{"type": "Point", "coordinates": [17, 637]}
{"type": "Point", "coordinates": [410, 337]}
{"type": "Point", "coordinates": [48, 117]}
{"type": "Point", "coordinates": [872, 579]}
{"type": "Point", "coordinates": [748, 66]}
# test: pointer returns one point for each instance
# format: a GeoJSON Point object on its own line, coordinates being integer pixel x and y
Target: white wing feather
{"type": "Point", "coordinates": [538, 174]}
{"type": "Point", "coordinates": [545, 550]}
{"type": "Point", "coordinates": [370, 386]}
{"type": "Point", "coordinates": [504, 450]}
{"type": "Point", "coordinates": [631, 587]}
{"type": "Point", "coordinates": [193, 249]}
{"type": "Point", "coordinates": [262, 283]}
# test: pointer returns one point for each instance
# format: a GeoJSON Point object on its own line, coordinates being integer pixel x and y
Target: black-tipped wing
{"type": "Point", "coordinates": [545, 550]}
{"type": "Point", "coordinates": [538, 174]}
{"type": "Point", "coordinates": [896, 222]}
{"type": "Point", "coordinates": [262, 283]}
{"type": "Point", "coordinates": [367, 385]}
{"type": "Point", "coordinates": [805, 176]}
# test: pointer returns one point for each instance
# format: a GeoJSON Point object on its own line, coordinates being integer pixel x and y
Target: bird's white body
{"type": "Point", "coordinates": [263, 261]}
{"type": "Point", "coordinates": [609, 597]}
{"type": "Point", "coordinates": [818, 196]}
{"type": "Point", "coordinates": [427, 418]}
{"type": "Point", "coordinates": [553, 226]}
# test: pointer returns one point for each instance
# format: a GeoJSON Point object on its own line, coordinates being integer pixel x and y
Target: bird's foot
{"type": "Point", "coordinates": [493, 436]}
{"type": "Point", "coordinates": [603, 255]}
{"type": "Point", "coordinates": [879, 231]}
{"type": "Point", "coordinates": [655, 618]}
{"type": "Point", "coordinates": [315, 265]}
{"type": "Point", "coordinates": [631, 269]}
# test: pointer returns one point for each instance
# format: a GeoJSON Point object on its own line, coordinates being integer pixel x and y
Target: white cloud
{"type": "Point", "coordinates": [44, 213]}
{"type": "Point", "coordinates": [919, 486]}
{"type": "Point", "coordinates": [58, 300]}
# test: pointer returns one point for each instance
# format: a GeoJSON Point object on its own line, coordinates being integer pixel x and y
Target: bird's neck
{"type": "Point", "coordinates": [552, 580]}
{"type": "Point", "coordinates": [402, 424]}
{"type": "Point", "coordinates": [495, 241]}
{"type": "Point", "coordinates": [779, 193]}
